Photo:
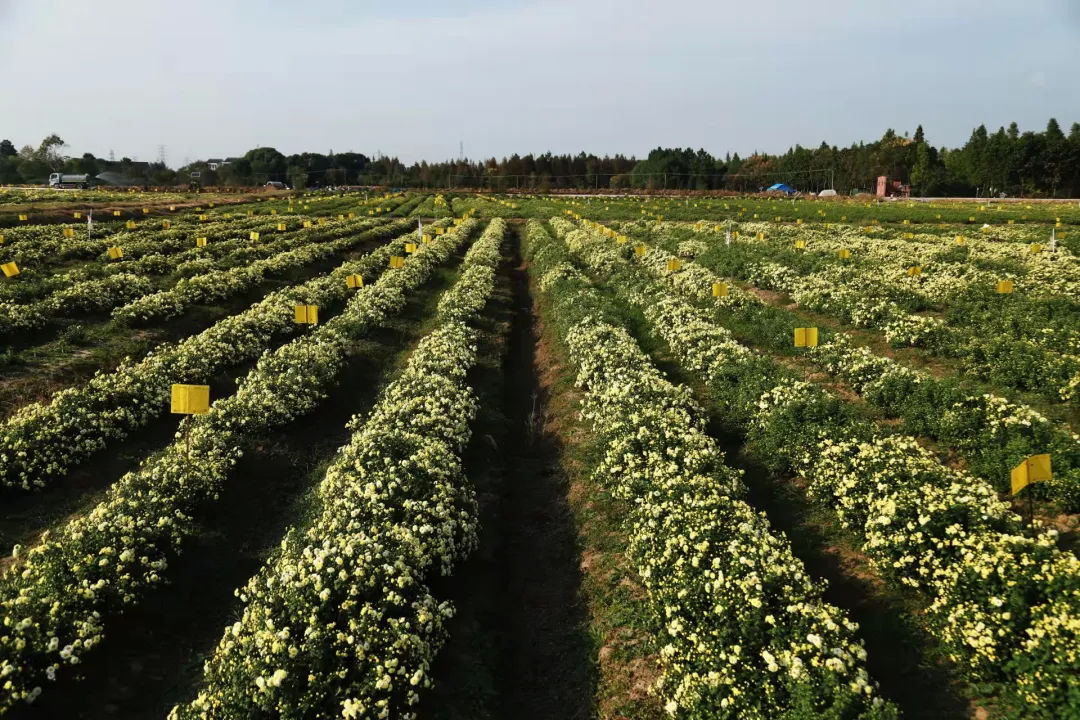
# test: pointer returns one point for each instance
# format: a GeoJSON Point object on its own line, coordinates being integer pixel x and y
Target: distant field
{"type": "Point", "coordinates": [683, 456]}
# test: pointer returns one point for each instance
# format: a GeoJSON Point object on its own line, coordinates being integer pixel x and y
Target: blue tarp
{"type": "Point", "coordinates": [782, 187]}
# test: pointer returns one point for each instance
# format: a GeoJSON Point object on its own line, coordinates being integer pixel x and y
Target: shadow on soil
{"type": "Point", "coordinates": [519, 645]}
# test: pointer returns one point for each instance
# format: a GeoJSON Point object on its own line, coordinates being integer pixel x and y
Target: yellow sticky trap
{"type": "Point", "coordinates": [806, 337]}
{"type": "Point", "coordinates": [843, 254]}
{"type": "Point", "coordinates": [165, 224]}
{"type": "Point", "coordinates": [1036, 247]}
{"type": "Point", "coordinates": [800, 244]}
{"type": "Point", "coordinates": [281, 227]}
{"type": "Point", "coordinates": [198, 208]}
{"type": "Point", "coordinates": [960, 240]}
{"type": "Point", "coordinates": [190, 399]}
{"type": "Point", "coordinates": [23, 217]}
{"type": "Point", "coordinates": [907, 222]}
{"type": "Point", "coordinates": [971, 219]}
{"type": "Point", "coordinates": [273, 212]}
{"type": "Point", "coordinates": [639, 250]}
{"type": "Point", "coordinates": [674, 265]}
{"type": "Point", "coordinates": [10, 269]}
{"type": "Point", "coordinates": [909, 236]}
{"type": "Point", "coordinates": [146, 211]}
{"type": "Point", "coordinates": [425, 239]}
{"type": "Point", "coordinates": [116, 213]}
{"type": "Point", "coordinates": [719, 289]}
{"type": "Point", "coordinates": [250, 213]}
{"type": "Point", "coordinates": [1012, 222]}
{"type": "Point", "coordinates": [307, 223]}
{"type": "Point", "coordinates": [799, 221]}
{"type": "Point", "coordinates": [777, 218]}
{"type": "Point", "coordinates": [457, 221]}
{"type": "Point", "coordinates": [322, 221]}
{"type": "Point", "coordinates": [760, 236]}
{"type": "Point", "coordinates": [410, 247]}
{"type": "Point", "coordinates": [396, 261]}
{"type": "Point", "coordinates": [172, 208]}
{"type": "Point", "coordinates": [130, 224]}
{"type": "Point", "coordinates": [1, 239]}
{"type": "Point", "coordinates": [340, 217]}
{"type": "Point", "coordinates": [200, 242]}
{"type": "Point", "coordinates": [354, 281]}
{"type": "Point", "coordinates": [77, 215]}
{"type": "Point", "coordinates": [307, 314]}
{"type": "Point", "coordinates": [211, 204]}
{"type": "Point", "coordinates": [69, 232]}
{"type": "Point", "coordinates": [621, 239]}
{"type": "Point", "coordinates": [202, 218]}
{"type": "Point", "coordinates": [352, 215]}
{"type": "Point", "coordinates": [116, 253]}
{"type": "Point", "coordinates": [253, 235]}
{"type": "Point", "coordinates": [439, 231]}
{"type": "Point", "coordinates": [1004, 287]}
{"type": "Point", "coordinates": [914, 270]}
{"type": "Point", "coordinates": [1034, 469]}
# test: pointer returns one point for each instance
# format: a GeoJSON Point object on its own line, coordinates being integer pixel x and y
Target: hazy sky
{"type": "Point", "coordinates": [412, 79]}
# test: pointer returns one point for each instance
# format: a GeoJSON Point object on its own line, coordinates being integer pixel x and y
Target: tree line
{"type": "Point", "coordinates": [1005, 162]}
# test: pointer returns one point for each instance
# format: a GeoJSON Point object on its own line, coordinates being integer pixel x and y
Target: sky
{"type": "Point", "coordinates": [212, 78]}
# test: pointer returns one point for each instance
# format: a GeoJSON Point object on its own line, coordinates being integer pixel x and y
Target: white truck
{"type": "Point", "coordinates": [59, 180]}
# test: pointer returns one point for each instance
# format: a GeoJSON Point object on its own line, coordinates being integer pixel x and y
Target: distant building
{"type": "Point", "coordinates": [894, 188]}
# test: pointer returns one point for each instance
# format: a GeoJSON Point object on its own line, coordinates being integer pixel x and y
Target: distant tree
{"type": "Point", "coordinates": [33, 170]}
{"type": "Point", "coordinates": [921, 172]}
{"type": "Point", "coordinates": [88, 164]}
{"type": "Point", "coordinates": [49, 152]}
{"type": "Point", "coordinates": [1057, 159]}
{"type": "Point", "coordinates": [7, 149]}
{"type": "Point", "coordinates": [298, 177]}
{"type": "Point", "coordinates": [1073, 162]}
{"type": "Point", "coordinates": [266, 164]}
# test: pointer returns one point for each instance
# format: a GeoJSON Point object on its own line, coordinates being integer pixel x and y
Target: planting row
{"type": "Point", "coordinates": [341, 622]}
{"type": "Point", "coordinates": [991, 432]}
{"type": "Point", "coordinates": [1003, 602]}
{"type": "Point", "coordinates": [857, 298]}
{"type": "Point", "coordinates": [42, 441]}
{"type": "Point", "coordinates": [59, 596]}
{"type": "Point", "coordinates": [743, 628]}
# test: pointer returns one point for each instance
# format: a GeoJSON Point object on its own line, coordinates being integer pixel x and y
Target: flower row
{"type": "Point", "coordinates": [59, 597]}
{"type": "Point", "coordinates": [745, 632]}
{"type": "Point", "coordinates": [997, 597]}
{"type": "Point", "coordinates": [222, 284]}
{"type": "Point", "coordinates": [42, 441]}
{"type": "Point", "coordinates": [341, 621]}
{"type": "Point", "coordinates": [865, 300]}
{"type": "Point", "coordinates": [993, 433]}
